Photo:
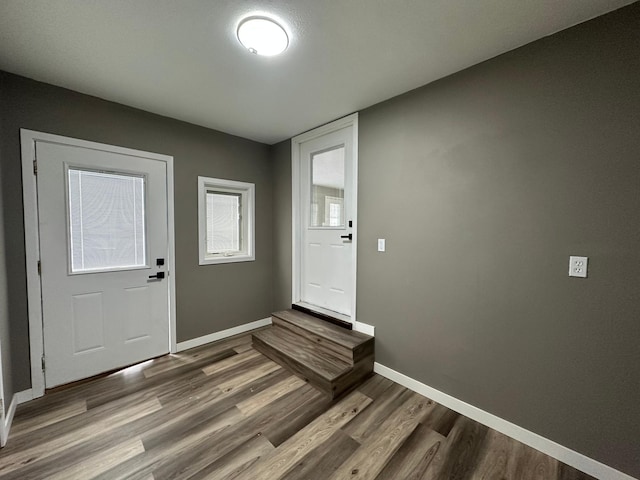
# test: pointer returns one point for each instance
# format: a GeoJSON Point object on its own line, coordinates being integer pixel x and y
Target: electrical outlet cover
{"type": "Point", "coordinates": [578, 266]}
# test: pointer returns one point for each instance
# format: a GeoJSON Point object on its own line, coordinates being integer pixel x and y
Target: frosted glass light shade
{"type": "Point", "coordinates": [262, 36]}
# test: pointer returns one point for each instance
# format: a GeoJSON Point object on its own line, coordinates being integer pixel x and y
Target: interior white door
{"type": "Point", "coordinates": [326, 187]}
{"type": "Point", "coordinates": [103, 235]}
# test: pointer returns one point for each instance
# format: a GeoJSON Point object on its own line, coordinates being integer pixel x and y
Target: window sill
{"type": "Point", "coordinates": [230, 259]}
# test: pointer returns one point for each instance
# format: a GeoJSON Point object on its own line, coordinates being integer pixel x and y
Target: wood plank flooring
{"type": "Point", "coordinates": [226, 412]}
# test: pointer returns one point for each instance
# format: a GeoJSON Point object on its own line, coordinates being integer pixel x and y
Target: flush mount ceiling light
{"type": "Point", "coordinates": [262, 36]}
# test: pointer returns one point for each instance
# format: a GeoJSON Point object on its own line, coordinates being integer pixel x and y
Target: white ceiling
{"type": "Point", "coordinates": [182, 59]}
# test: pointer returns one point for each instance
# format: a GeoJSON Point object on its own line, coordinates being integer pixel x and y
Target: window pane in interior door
{"type": "Point", "coordinates": [327, 188]}
{"type": "Point", "coordinates": [106, 220]}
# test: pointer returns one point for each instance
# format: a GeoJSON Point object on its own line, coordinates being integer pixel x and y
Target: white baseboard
{"type": "Point", "coordinates": [364, 328]}
{"type": "Point", "coordinates": [230, 332]}
{"type": "Point", "coordinates": [18, 398]}
{"type": "Point", "coordinates": [549, 447]}
{"type": "Point", "coordinates": [8, 419]}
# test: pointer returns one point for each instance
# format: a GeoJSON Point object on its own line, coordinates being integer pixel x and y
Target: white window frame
{"type": "Point", "coordinates": [247, 202]}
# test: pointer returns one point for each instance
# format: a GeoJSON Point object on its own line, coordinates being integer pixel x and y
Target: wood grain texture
{"type": "Point", "coordinates": [309, 407]}
{"type": "Point", "coordinates": [369, 460]}
{"type": "Point", "coordinates": [326, 337]}
{"type": "Point", "coordinates": [101, 462]}
{"type": "Point", "coordinates": [467, 439]}
{"type": "Point", "coordinates": [245, 378]}
{"type": "Point", "coordinates": [306, 440]}
{"type": "Point", "coordinates": [232, 361]}
{"type": "Point", "coordinates": [251, 419]}
{"type": "Point", "coordinates": [264, 398]}
{"type": "Point", "coordinates": [303, 351]}
{"type": "Point", "coordinates": [326, 458]}
{"type": "Point", "coordinates": [331, 358]}
{"type": "Point", "coordinates": [347, 338]}
{"type": "Point", "coordinates": [62, 411]}
{"type": "Point", "coordinates": [237, 461]}
{"type": "Point", "coordinates": [415, 456]}
{"type": "Point", "coordinates": [54, 445]}
{"type": "Point", "coordinates": [296, 364]}
{"type": "Point", "coordinates": [369, 421]}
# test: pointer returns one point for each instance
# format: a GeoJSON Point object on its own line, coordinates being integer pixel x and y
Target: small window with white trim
{"type": "Point", "coordinates": [226, 214]}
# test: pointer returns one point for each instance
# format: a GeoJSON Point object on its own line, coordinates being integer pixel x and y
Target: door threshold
{"type": "Point", "coordinates": [330, 316]}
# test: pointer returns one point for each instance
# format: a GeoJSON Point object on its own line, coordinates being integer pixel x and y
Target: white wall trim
{"type": "Point", "coordinates": [28, 139]}
{"type": "Point", "coordinates": [8, 419]}
{"type": "Point", "coordinates": [365, 328]}
{"type": "Point", "coordinates": [559, 452]}
{"type": "Point", "coordinates": [247, 192]}
{"type": "Point", "coordinates": [32, 251]}
{"type": "Point", "coordinates": [18, 398]}
{"type": "Point", "coordinates": [229, 332]}
{"type": "Point", "coordinates": [296, 240]}
{"type": "Point", "coordinates": [172, 256]}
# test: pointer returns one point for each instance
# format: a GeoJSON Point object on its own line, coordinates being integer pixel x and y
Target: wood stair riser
{"type": "Point", "coordinates": [322, 328]}
{"type": "Point", "coordinates": [297, 367]}
{"type": "Point", "coordinates": [304, 351]}
{"type": "Point", "coordinates": [321, 343]}
{"type": "Point", "coordinates": [360, 371]}
{"type": "Point", "coordinates": [348, 344]}
{"type": "Point", "coordinates": [364, 350]}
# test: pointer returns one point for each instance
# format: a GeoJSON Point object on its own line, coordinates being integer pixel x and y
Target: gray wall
{"type": "Point", "coordinates": [5, 333]}
{"type": "Point", "coordinates": [5, 330]}
{"type": "Point", "coordinates": [483, 184]}
{"type": "Point", "coordinates": [210, 298]}
{"type": "Point", "coordinates": [282, 233]}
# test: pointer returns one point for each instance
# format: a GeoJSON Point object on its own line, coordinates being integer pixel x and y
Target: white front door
{"type": "Point", "coordinates": [325, 223]}
{"type": "Point", "coordinates": [103, 236]}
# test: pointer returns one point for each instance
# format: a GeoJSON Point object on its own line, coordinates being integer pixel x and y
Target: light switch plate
{"type": "Point", "coordinates": [578, 266]}
{"type": "Point", "coordinates": [381, 244]}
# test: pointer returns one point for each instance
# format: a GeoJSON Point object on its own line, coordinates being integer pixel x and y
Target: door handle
{"type": "Point", "coordinates": [350, 236]}
{"type": "Point", "coordinates": [158, 276]}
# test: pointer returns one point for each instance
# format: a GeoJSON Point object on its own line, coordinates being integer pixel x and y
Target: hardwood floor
{"type": "Point", "coordinates": [225, 411]}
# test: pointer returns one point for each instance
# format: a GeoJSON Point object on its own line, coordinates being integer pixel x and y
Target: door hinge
{"type": "Point", "coordinates": [39, 267]}
{"type": "Point", "coordinates": [35, 167]}
{"type": "Point", "coordinates": [43, 363]}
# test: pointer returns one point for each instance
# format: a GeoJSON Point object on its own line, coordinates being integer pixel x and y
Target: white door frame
{"type": "Point", "coordinates": [296, 210]}
{"type": "Point", "coordinates": [28, 139]}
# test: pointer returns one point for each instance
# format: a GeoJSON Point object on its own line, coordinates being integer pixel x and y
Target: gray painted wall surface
{"type": "Point", "coordinates": [5, 333]}
{"type": "Point", "coordinates": [483, 184]}
{"type": "Point", "coordinates": [281, 160]}
{"type": "Point", "coordinates": [210, 298]}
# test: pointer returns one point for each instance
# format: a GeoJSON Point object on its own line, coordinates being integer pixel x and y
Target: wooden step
{"type": "Point", "coordinates": [327, 372]}
{"type": "Point", "coordinates": [301, 356]}
{"type": "Point", "coordinates": [347, 344]}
